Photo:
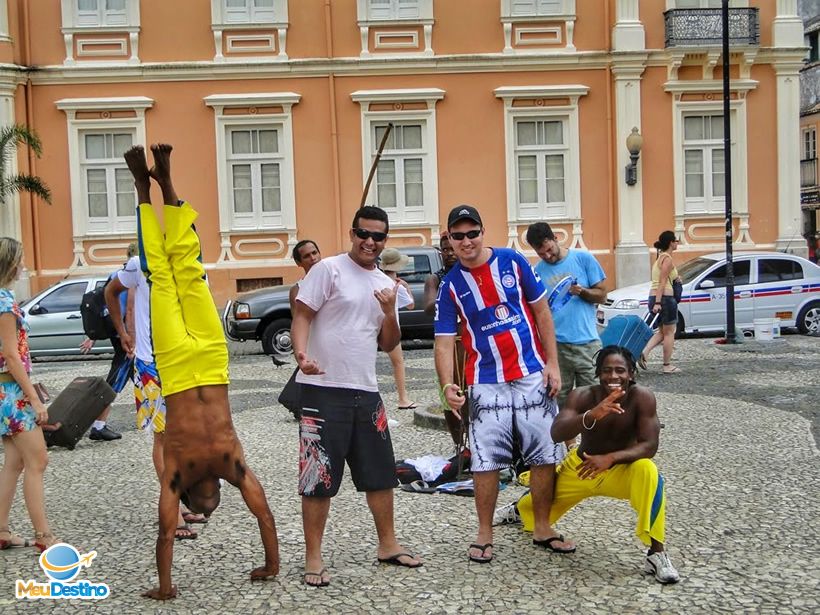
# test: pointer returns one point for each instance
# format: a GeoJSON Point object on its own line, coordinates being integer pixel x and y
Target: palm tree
{"type": "Point", "coordinates": [10, 138]}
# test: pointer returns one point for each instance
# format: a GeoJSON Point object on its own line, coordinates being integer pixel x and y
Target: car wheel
{"type": "Point", "coordinates": [276, 337]}
{"type": "Point", "coordinates": [808, 321]}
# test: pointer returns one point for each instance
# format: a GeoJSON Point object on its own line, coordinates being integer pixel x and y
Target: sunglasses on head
{"type": "Point", "coordinates": [377, 236]}
{"type": "Point", "coordinates": [469, 235]}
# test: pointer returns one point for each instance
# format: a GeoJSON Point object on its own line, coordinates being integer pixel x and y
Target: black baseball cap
{"type": "Point", "coordinates": [463, 212]}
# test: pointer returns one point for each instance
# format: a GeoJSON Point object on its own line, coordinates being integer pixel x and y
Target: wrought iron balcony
{"type": "Point", "coordinates": [808, 173]}
{"type": "Point", "coordinates": [703, 27]}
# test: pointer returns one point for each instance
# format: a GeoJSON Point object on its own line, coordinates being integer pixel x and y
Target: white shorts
{"type": "Point", "coordinates": [510, 415]}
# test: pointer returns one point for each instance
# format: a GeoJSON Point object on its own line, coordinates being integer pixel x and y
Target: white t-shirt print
{"type": "Point", "coordinates": [344, 332]}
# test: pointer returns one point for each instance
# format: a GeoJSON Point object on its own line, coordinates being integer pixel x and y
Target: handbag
{"type": "Point", "coordinates": [677, 289]}
{"type": "Point", "coordinates": [291, 395]}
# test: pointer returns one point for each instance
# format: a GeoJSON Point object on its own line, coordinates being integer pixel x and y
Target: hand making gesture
{"type": "Point", "coordinates": [387, 298]}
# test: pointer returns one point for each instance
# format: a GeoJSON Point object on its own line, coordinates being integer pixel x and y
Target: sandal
{"type": "Point", "coordinates": [44, 540]}
{"type": "Point", "coordinates": [670, 369]}
{"type": "Point", "coordinates": [13, 541]}
{"type": "Point", "coordinates": [642, 362]}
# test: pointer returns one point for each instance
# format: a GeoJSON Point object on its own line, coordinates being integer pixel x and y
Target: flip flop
{"type": "Point", "coordinates": [191, 535]}
{"type": "Point", "coordinates": [547, 544]}
{"type": "Point", "coordinates": [15, 542]}
{"type": "Point", "coordinates": [410, 406]}
{"type": "Point", "coordinates": [671, 369]}
{"type": "Point", "coordinates": [320, 574]}
{"type": "Point", "coordinates": [482, 559]}
{"type": "Point", "coordinates": [642, 362]}
{"type": "Point", "coordinates": [394, 560]}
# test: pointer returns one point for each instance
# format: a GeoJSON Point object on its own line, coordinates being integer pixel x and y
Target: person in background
{"type": "Point", "coordinates": [662, 301]}
{"type": "Point", "coordinates": [122, 365]}
{"type": "Point", "coordinates": [21, 411]}
{"type": "Point", "coordinates": [305, 254]}
{"type": "Point", "coordinates": [576, 330]}
{"type": "Point", "coordinates": [392, 262]}
{"type": "Point", "coordinates": [456, 426]}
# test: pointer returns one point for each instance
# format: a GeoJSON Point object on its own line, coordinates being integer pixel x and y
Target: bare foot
{"type": "Point", "coordinates": [158, 594]}
{"type": "Point", "coordinates": [161, 172]}
{"type": "Point", "coordinates": [135, 159]}
{"type": "Point", "coordinates": [264, 572]}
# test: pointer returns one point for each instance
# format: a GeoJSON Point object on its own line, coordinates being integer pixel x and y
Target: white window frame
{"type": "Point", "coordinates": [220, 22]}
{"type": "Point", "coordinates": [509, 17]}
{"type": "Point", "coordinates": [285, 219]}
{"type": "Point", "coordinates": [568, 115]}
{"type": "Point", "coordinates": [808, 152]}
{"type": "Point", "coordinates": [428, 215]}
{"type": "Point", "coordinates": [82, 224]}
{"type": "Point", "coordinates": [539, 11]}
{"type": "Point", "coordinates": [689, 208]}
{"type": "Point", "coordinates": [257, 219]}
{"type": "Point", "coordinates": [73, 25]}
{"type": "Point", "coordinates": [708, 203]}
{"type": "Point", "coordinates": [368, 16]}
{"type": "Point", "coordinates": [4, 22]}
{"type": "Point", "coordinates": [542, 209]}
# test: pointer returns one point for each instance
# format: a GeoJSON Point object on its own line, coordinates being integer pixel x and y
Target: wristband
{"type": "Point", "coordinates": [446, 386]}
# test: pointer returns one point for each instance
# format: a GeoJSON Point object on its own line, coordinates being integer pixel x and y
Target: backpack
{"type": "Point", "coordinates": [97, 323]}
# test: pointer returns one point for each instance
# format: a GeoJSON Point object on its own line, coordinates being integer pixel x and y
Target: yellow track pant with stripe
{"type": "Point", "coordinates": [186, 331]}
{"type": "Point", "coordinates": [639, 482]}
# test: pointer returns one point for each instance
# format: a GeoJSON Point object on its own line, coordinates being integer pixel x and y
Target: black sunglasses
{"type": "Point", "coordinates": [469, 235]}
{"type": "Point", "coordinates": [377, 236]}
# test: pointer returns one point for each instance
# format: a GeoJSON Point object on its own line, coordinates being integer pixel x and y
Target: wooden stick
{"type": "Point", "coordinates": [375, 164]}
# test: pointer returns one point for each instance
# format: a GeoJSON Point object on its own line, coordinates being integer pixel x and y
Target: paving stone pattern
{"type": "Point", "coordinates": [736, 449]}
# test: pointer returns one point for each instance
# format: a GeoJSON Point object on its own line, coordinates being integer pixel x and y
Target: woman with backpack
{"type": "Point", "coordinates": [21, 411]}
{"type": "Point", "coordinates": [662, 301]}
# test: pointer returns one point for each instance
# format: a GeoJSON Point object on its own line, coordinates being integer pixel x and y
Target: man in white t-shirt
{"type": "Point", "coordinates": [347, 309]}
{"type": "Point", "coordinates": [147, 386]}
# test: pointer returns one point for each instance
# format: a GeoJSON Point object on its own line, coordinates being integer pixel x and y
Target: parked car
{"type": "Point", "coordinates": [767, 285]}
{"type": "Point", "coordinates": [264, 314]}
{"type": "Point", "coordinates": [56, 327]}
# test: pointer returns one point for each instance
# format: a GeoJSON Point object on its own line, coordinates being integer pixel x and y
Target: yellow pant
{"type": "Point", "coordinates": [186, 331]}
{"type": "Point", "coordinates": [639, 482]}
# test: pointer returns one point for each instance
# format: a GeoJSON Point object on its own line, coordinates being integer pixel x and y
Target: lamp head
{"type": "Point", "coordinates": [634, 142]}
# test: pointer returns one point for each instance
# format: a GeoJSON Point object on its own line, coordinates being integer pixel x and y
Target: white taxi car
{"type": "Point", "coordinates": [767, 285]}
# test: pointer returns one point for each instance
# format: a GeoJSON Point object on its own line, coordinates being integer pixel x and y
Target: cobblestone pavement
{"type": "Point", "coordinates": [737, 452]}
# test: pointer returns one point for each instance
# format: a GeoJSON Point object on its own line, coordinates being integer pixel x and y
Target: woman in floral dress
{"type": "Point", "coordinates": [21, 411]}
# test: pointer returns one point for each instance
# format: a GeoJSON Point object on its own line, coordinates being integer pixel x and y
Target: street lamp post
{"type": "Point", "coordinates": [727, 180]}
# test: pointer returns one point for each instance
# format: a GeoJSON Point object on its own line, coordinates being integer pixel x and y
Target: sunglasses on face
{"type": "Point", "coordinates": [469, 235]}
{"type": "Point", "coordinates": [377, 236]}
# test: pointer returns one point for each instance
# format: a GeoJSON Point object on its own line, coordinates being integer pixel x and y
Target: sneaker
{"type": "Point", "coordinates": [103, 434]}
{"type": "Point", "coordinates": [659, 565]}
{"type": "Point", "coordinates": [506, 515]}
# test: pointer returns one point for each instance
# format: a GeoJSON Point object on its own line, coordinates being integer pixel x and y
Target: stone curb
{"type": "Point", "coordinates": [429, 420]}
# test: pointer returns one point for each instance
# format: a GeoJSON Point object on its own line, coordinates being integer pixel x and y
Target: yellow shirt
{"type": "Point", "coordinates": [656, 274]}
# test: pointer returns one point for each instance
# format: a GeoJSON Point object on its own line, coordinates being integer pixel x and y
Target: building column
{"type": "Point", "coordinates": [628, 63]}
{"type": "Point", "coordinates": [10, 222]}
{"type": "Point", "coordinates": [787, 33]}
{"type": "Point", "coordinates": [789, 213]}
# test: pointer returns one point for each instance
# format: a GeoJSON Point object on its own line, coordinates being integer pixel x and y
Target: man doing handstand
{"type": "Point", "coordinates": [201, 445]}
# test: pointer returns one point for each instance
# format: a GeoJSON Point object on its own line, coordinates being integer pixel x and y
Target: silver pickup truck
{"type": "Point", "coordinates": [264, 314]}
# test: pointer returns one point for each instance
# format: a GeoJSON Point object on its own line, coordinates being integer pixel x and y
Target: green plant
{"type": "Point", "coordinates": [10, 138]}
